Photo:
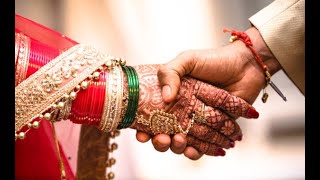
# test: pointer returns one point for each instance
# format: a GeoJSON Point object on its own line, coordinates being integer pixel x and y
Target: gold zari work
{"type": "Point", "coordinates": [49, 84]}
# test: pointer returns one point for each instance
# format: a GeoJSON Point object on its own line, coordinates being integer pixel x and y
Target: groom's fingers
{"type": "Point", "coordinates": [161, 142]}
{"type": "Point", "coordinates": [191, 153]}
{"type": "Point", "coordinates": [219, 98]}
{"type": "Point", "coordinates": [179, 143]}
{"type": "Point", "coordinates": [142, 137]}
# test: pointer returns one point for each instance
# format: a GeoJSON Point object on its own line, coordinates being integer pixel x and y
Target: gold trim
{"type": "Point", "coordinates": [61, 165]}
{"type": "Point", "coordinates": [44, 88]}
{"type": "Point", "coordinates": [22, 57]}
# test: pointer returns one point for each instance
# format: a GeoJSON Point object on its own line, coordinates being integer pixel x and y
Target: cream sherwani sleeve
{"type": "Point", "coordinates": [282, 26]}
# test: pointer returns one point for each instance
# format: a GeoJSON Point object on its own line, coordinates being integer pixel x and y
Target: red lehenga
{"type": "Point", "coordinates": [36, 156]}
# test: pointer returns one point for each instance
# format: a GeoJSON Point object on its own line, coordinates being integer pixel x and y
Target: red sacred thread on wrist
{"type": "Point", "coordinates": [242, 36]}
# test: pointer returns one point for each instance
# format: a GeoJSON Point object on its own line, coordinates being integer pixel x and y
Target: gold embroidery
{"type": "Point", "coordinates": [49, 84]}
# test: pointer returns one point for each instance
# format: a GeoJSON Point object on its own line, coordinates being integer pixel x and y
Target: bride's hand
{"type": "Point", "coordinates": [209, 135]}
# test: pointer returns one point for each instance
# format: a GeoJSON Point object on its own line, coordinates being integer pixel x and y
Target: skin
{"type": "Point", "coordinates": [231, 67]}
{"type": "Point", "coordinates": [218, 131]}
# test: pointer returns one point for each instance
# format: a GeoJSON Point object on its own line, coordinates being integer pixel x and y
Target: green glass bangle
{"type": "Point", "coordinates": [128, 115]}
{"type": "Point", "coordinates": [131, 101]}
{"type": "Point", "coordinates": [135, 101]}
{"type": "Point", "coordinates": [121, 124]}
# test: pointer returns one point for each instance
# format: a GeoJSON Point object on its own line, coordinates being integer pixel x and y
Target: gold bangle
{"type": "Point", "coordinates": [119, 97]}
{"type": "Point", "coordinates": [107, 103]}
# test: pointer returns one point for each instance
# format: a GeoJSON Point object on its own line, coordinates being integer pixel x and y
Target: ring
{"type": "Point", "coordinates": [200, 117]}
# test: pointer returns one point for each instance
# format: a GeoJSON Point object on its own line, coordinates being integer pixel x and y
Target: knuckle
{"type": "Point", "coordinates": [187, 53]}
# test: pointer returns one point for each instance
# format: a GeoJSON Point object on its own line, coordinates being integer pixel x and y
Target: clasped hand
{"type": "Point", "coordinates": [203, 113]}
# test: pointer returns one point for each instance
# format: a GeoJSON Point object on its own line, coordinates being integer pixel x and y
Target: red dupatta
{"type": "Point", "coordinates": [36, 156]}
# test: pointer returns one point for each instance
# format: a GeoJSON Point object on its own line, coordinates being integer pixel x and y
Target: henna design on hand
{"type": "Point", "coordinates": [218, 131]}
{"type": "Point", "coordinates": [204, 147]}
{"type": "Point", "coordinates": [221, 122]}
{"type": "Point", "coordinates": [221, 99]}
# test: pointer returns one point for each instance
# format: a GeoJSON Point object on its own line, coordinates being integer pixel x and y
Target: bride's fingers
{"type": "Point", "coordinates": [217, 120]}
{"type": "Point", "coordinates": [231, 129]}
{"type": "Point", "coordinates": [201, 130]}
{"type": "Point", "coordinates": [142, 137]}
{"type": "Point", "coordinates": [212, 117]}
{"type": "Point", "coordinates": [220, 98]}
{"type": "Point", "coordinates": [210, 135]}
{"type": "Point", "coordinates": [204, 147]}
{"type": "Point", "coordinates": [191, 153]}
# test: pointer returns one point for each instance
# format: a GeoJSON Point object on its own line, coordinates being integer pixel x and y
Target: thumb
{"type": "Point", "coordinates": [170, 82]}
{"type": "Point", "coordinates": [169, 74]}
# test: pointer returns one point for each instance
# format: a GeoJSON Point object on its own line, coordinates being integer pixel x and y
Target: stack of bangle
{"type": "Point", "coordinates": [133, 89]}
{"type": "Point", "coordinates": [111, 102]}
{"type": "Point", "coordinates": [87, 107]}
{"type": "Point", "coordinates": [103, 104]}
{"type": "Point", "coordinates": [40, 55]}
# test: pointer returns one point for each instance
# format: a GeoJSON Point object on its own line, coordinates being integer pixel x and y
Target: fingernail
{"type": "Point", "coordinates": [252, 113]}
{"type": "Point", "coordinates": [232, 144]}
{"type": "Point", "coordinates": [166, 90]}
{"type": "Point", "coordinates": [239, 138]}
{"type": "Point", "coordinates": [220, 152]}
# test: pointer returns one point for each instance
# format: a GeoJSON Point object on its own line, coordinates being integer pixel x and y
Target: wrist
{"type": "Point", "coordinates": [263, 51]}
{"type": "Point", "coordinates": [246, 64]}
{"type": "Point", "coordinates": [264, 57]}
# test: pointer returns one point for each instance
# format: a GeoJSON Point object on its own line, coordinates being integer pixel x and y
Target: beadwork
{"type": "Point", "coordinates": [42, 90]}
{"type": "Point", "coordinates": [162, 122]}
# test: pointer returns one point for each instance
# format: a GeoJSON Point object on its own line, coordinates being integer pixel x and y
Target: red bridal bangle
{"type": "Point", "coordinates": [97, 94]}
{"type": "Point", "coordinates": [242, 36]}
{"type": "Point", "coordinates": [40, 55]}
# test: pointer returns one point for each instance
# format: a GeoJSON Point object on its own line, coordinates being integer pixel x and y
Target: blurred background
{"type": "Point", "coordinates": [152, 32]}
